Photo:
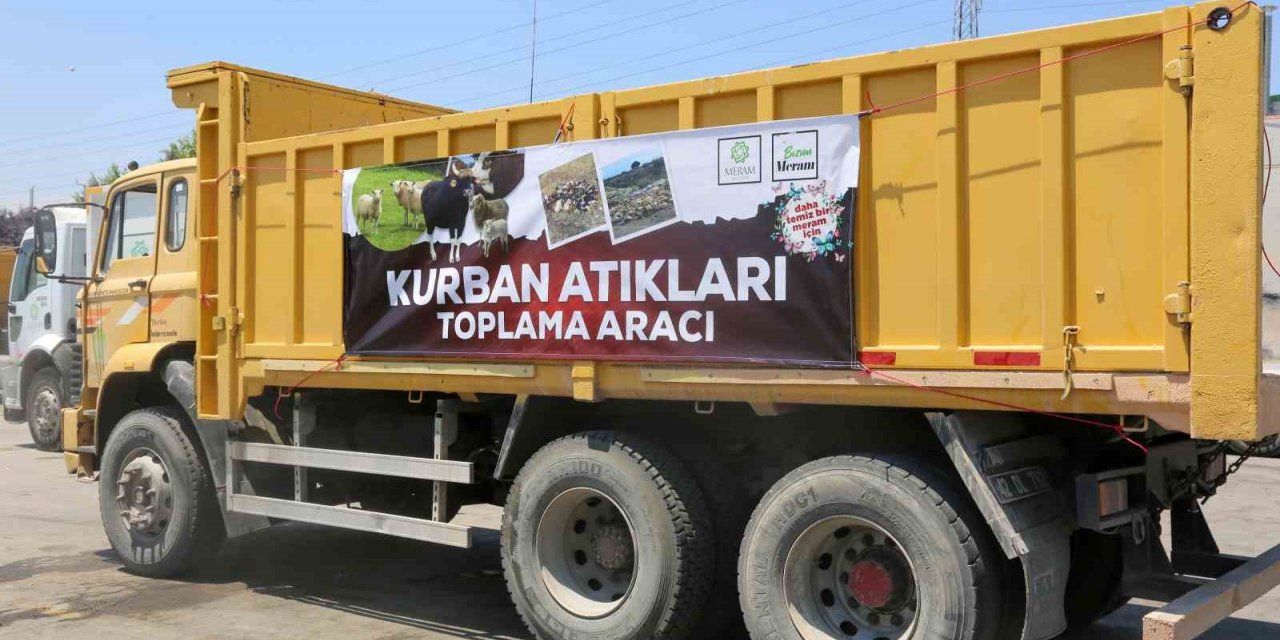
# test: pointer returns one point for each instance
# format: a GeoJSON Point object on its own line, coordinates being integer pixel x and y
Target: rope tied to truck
{"type": "Point", "coordinates": [286, 392]}
{"type": "Point", "coordinates": [1118, 428]}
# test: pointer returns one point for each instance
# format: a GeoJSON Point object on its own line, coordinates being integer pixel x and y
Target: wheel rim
{"type": "Point", "coordinates": [587, 552]}
{"type": "Point", "coordinates": [144, 494]}
{"type": "Point", "coordinates": [846, 577]}
{"type": "Point", "coordinates": [44, 412]}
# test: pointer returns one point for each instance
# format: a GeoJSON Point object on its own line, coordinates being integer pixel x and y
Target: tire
{"type": "Point", "coordinates": [731, 508]}
{"type": "Point", "coordinates": [924, 564]}
{"type": "Point", "coordinates": [154, 450]}
{"type": "Point", "coordinates": [618, 482]}
{"type": "Point", "coordinates": [44, 402]}
{"type": "Point", "coordinates": [1093, 583]}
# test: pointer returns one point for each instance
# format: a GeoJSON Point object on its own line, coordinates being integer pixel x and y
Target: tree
{"type": "Point", "coordinates": [112, 173]}
{"type": "Point", "coordinates": [184, 147]}
{"type": "Point", "coordinates": [12, 224]}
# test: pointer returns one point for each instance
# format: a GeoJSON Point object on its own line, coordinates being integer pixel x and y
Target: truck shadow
{"type": "Point", "coordinates": [1126, 624]}
{"type": "Point", "coordinates": [452, 592]}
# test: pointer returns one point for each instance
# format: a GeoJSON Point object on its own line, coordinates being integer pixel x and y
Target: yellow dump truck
{"type": "Point", "coordinates": [919, 344]}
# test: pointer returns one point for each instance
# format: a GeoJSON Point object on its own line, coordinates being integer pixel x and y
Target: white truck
{"type": "Point", "coordinates": [44, 369]}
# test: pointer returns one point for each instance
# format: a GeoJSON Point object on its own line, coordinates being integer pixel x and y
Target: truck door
{"type": "Point", "coordinates": [117, 306]}
{"type": "Point", "coordinates": [28, 306]}
{"type": "Point", "coordinates": [173, 289]}
{"type": "Point", "coordinates": [28, 302]}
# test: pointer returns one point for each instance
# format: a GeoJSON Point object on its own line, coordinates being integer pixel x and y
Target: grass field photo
{"type": "Point", "coordinates": [395, 229]}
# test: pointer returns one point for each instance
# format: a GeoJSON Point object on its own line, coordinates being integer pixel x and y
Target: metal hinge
{"type": "Point", "coordinates": [1178, 304]}
{"type": "Point", "coordinates": [232, 319]}
{"type": "Point", "coordinates": [1182, 69]}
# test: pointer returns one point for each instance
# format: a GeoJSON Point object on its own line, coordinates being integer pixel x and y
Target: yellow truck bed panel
{"type": "Point", "coordinates": [1080, 194]}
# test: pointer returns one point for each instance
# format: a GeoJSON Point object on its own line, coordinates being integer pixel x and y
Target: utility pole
{"type": "Point", "coordinates": [966, 19]}
{"type": "Point", "coordinates": [533, 49]}
{"type": "Point", "coordinates": [31, 198]}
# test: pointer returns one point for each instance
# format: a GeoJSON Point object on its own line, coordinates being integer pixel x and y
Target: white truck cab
{"type": "Point", "coordinates": [45, 362]}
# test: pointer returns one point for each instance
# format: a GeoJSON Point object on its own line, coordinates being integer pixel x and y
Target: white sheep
{"type": "Point", "coordinates": [369, 207]}
{"type": "Point", "coordinates": [409, 195]}
{"type": "Point", "coordinates": [495, 229]}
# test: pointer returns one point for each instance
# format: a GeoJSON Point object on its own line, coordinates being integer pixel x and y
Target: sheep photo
{"type": "Point", "coordinates": [398, 205]}
{"type": "Point", "coordinates": [638, 193]}
{"type": "Point", "coordinates": [399, 221]}
{"type": "Point", "coordinates": [572, 200]}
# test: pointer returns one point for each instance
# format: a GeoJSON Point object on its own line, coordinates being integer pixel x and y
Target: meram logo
{"type": "Point", "coordinates": [739, 160]}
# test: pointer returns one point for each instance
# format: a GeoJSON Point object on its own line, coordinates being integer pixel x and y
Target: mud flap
{"type": "Point", "coordinates": [179, 379]}
{"type": "Point", "coordinates": [1006, 470]}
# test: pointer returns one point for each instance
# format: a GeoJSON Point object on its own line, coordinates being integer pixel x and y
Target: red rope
{"type": "Point", "coordinates": [1117, 428]}
{"type": "Point", "coordinates": [288, 391]}
{"type": "Point", "coordinates": [560, 131]}
{"type": "Point", "coordinates": [1017, 72]}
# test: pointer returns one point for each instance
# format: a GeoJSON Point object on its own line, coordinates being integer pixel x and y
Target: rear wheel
{"type": "Point", "coordinates": [156, 494]}
{"type": "Point", "coordinates": [868, 549]}
{"type": "Point", "coordinates": [607, 535]}
{"type": "Point", "coordinates": [44, 409]}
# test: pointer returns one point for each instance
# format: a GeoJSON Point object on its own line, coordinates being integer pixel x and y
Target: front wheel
{"type": "Point", "coordinates": [867, 548]}
{"type": "Point", "coordinates": [44, 409]}
{"type": "Point", "coordinates": [156, 494]}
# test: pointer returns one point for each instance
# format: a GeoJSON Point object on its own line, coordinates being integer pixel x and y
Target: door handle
{"type": "Point", "coordinates": [138, 284]}
{"type": "Point", "coordinates": [13, 308]}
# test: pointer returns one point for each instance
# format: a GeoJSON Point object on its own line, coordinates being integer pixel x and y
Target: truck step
{"type": "Point", "coordinates": [440, 470]}
{"type": "Point", "coordinates": [404, 527]}
{"type": "Point", "coordinates": [357, 461]}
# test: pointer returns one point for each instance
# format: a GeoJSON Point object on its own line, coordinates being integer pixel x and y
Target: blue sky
{"type": "Point", "coordinates": [57, 124]}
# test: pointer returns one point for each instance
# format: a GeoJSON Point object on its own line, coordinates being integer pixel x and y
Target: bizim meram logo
{"type": "Point", "coordinates": [739, 161]}
{"type": "Point", "coordinates": [795, 156]}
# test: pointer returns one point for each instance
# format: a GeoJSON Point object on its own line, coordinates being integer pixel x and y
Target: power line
{"type": "Point", "coordinates": [88, 128]}
{"type": "Point", "coordinates": [487, 34]}
{"type": "Point", "coordinates": [701, 43]}
{"type": "Point", "coordinates": [104, 150]}
{"type": "Point", "coordinates": [499, 52]}
{"type": "Point", "coordinates": [734, 36]}
{"type": "Point", "coordinates": [575, 45]}
{"type": "Point", "coordinates": [5, 152]}
{"type": "Point", "coordinates": [750, 46]}
{"type": "Point", "coordinates": [1071, 6]}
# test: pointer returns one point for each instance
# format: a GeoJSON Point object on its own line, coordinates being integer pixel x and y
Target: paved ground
{"type": "Point", "coordinates": [58, 579]}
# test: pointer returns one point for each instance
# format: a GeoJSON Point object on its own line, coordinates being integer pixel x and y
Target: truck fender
{"type": "Point", "coordinates": [535, 421]}
{"type": "Point", "coordinates": [1006, 469]}
{"type": "Point", "coordinates": [180, 379]}
{"type": "Point", "coordinates": [46, 348]}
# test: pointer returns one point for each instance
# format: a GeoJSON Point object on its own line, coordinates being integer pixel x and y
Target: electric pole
{"type": "Point", "coordinates": [966, 19]}
{"type": "Point", "coordinates": [533, 49]}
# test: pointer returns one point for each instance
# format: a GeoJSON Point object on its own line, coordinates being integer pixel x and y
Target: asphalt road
{"type": "Point", "coordinates": [59, 579]}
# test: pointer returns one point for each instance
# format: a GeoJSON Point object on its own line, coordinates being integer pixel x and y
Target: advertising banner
{"type": "Point", "coordinates": [728, 244]}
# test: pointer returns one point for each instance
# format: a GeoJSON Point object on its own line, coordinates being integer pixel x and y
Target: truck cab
{"type": "Point", "coordinates": [136, 289]}
{"type": "Point", "coordinates": [42, 373]}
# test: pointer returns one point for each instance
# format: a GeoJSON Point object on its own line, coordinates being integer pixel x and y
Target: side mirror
{"type": "Point", "coordinates": [46, 239]}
